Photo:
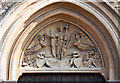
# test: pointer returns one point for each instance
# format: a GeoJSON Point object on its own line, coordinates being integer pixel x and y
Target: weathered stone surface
{"type": "Point", "coordinates": [61, 46]}
{"type": "Point", "coordinates": [102, 26]}
{"type": "Point", "coordinates": [5, 5]}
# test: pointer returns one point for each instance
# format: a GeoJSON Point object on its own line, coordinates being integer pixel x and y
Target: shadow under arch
{"type": "Point", "coordinates": [62, 77]}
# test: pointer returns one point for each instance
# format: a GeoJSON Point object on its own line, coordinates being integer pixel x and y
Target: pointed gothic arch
{"type": "Point", "coordinates": [28, 18]}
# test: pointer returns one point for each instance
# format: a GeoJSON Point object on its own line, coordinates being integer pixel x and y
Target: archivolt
{"type": "Point", "coordinates": [23, 22]}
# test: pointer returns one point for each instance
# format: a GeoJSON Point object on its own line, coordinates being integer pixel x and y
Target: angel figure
{"type": "Point", "coordinates": [34, 49]}
{"type": "Point", "coordinates": [83, 45]}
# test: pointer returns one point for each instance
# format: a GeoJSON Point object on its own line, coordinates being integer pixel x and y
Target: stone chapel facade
{"type": "Point", "coordinates": [60, 36]}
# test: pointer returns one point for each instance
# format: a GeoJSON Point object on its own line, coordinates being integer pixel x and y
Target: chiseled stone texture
{"type": "Point", "coordinates": [20, 15]}
{"type": "Point", "coordinates": [116, 5]}
{"type": "Point", "coordinates": [6, 5]}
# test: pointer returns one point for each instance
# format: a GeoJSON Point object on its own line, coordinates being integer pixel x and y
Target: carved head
{"type": "Point", "coordinates": [61, 28]}
{"type": "Point", "coordinates": [77, 36]}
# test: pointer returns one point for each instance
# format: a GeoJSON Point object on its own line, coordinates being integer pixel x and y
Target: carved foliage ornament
{"type": "Point", "coordinates": [64, 48]}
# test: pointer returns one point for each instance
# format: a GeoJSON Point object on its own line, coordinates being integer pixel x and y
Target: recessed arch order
{"type": "Point", "coordinates": [28, 18]}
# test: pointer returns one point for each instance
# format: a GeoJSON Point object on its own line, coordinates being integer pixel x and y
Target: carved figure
{"type": "Point", "coordinates": [62, 48]}
{"type": "Point", "coordinates": [82, 46]}
{"type": "Point", "coordinates": [97, 61]}
{"type": "Point", "coordinates": [36, 47]}
{"type": "Point", "coordinates": [85, 58]}
{"type": "Point", "coordinates": [42, 41]}
{"type": "Point", "coordinates": [91, 60]}
{"type": "Point", "coordinates": [60, 43]}
{"type": "Point", "coordinates": [53, 44]}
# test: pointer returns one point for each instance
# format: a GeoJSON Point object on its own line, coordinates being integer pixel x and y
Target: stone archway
{"type": "Point", "coordinates": [30, 17]}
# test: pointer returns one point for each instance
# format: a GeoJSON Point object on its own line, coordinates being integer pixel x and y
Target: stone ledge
{"type": "Point", "coordinates": [113, 81]}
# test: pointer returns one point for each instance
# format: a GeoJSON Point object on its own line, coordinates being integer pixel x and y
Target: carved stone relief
{"type": "Point", "coordinates": [61, 46]}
